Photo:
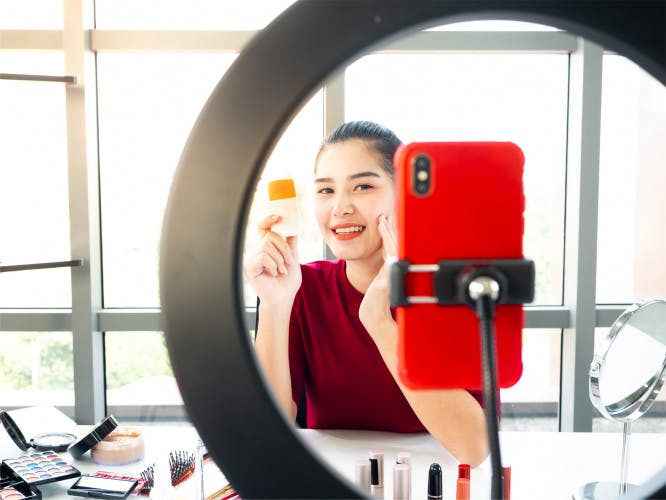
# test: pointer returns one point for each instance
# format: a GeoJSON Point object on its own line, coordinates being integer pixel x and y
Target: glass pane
{"type": "Point", "coordinates": [294, 157]}
{"type": "Point", "coordinates": [632, 212]}
{"type": "Point", "coordinates": [31, 15]}
{"type": "Point", "coordinates": [190, 15]}
{"type": "Point", "coordinates": [532, 404]}
{"type": "Point", "coordinates": [33, 182]}
{"type": "Point", "coordinates": [140, 385]}
{"type": "Point", "coordinates": [147, 106]}
{"type": "Point", "coordinates": [36, 368]}
{"type": "Point", "coordinates": [474, 97]}
{"type": "Point", "coordinates": [652, 421]}
{"type": "Point", "coordinates": [136, 174]}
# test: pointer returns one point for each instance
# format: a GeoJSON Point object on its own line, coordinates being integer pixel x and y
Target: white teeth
{"type": "Point", "coordinates": [353, 229]}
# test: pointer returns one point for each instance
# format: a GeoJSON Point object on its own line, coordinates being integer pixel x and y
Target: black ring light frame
{"type": "Point", "coordinates": [205, 221]}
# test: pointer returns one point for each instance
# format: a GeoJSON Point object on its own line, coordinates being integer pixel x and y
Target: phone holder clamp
{"type": "Point", "coordinates": [452, 278]}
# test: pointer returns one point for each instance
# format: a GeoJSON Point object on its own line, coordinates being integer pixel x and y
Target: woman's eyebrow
{"type": "Point", "coordinates": [349, 177]}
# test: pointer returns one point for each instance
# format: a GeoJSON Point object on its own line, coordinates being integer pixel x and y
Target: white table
{"type": "Point", "coordinates": [544, 465]}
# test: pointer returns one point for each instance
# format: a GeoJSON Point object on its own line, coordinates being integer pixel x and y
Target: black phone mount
{"type": "Point", "coordinates": [451, 279]}
{"type": "Point", "coordinates": [482, 285]}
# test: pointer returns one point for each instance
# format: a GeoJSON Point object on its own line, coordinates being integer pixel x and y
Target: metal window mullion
{"type": "Point", "coordinates": [420, 41]}
{"type": "Point", "coordinates": [582, 188]}
{"type": "Point", "coordinates": [88, 346]}
{"type": "Point", "coordinates": [334, 115]}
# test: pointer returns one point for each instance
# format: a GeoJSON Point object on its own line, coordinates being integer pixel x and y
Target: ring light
{"type": "Point", "coordinates": [204, 225]}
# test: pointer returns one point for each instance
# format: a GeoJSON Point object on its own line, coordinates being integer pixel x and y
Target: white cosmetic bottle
{"type": "Point", "coordinates": [283, 202]}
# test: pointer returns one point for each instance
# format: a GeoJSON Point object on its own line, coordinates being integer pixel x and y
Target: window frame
{"type": "Point", "coordinates": [88, 319]}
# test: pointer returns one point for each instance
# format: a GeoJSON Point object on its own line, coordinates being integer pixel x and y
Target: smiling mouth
{"type": "Point", "coordinates": [348, 230]}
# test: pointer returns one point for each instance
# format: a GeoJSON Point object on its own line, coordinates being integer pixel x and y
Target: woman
{"type": "Point", "coordinates": [326, 328]}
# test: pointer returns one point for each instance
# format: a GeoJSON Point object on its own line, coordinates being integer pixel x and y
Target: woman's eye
{"type": "Point", "coordinates": [325, 191]}
{"type": "Point", "coordinates": [362, 187]}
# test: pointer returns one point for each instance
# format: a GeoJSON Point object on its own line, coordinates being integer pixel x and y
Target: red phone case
{"type": "Point", "coordinates": [474, 210]}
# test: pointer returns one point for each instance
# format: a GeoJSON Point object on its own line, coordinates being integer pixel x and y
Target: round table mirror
{"type": "Point", "coordinates": [626, 375]}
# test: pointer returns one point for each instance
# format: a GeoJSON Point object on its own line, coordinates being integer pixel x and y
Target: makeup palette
{"type": "Point", "coordinates": [40, 467]}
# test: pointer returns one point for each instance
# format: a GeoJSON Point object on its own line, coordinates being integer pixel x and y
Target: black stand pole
{"type": "Point", "coordinates": [481, 284]}
{"type": "Point", "coordinates": [483, 292]}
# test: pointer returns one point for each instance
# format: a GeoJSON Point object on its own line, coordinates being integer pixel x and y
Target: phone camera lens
{"type": "Point", "coordinates": [422, 162]}
{"type": "Point", "coordinates": [421, 175]}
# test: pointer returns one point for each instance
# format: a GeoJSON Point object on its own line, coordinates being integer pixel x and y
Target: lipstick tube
{"type": "Point", "coordinates": [379, 456]}
{"type": "Point", "coordinates": [435, 482]}
{"type": "Point", "coordinates": [376, 488]}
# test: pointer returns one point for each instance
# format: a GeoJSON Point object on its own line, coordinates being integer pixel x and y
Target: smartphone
{"type": "Point", "coordinates": [456, 201]}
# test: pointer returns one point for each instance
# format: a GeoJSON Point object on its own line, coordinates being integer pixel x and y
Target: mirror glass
{"type": "Point", "coordinates": [628, 371]}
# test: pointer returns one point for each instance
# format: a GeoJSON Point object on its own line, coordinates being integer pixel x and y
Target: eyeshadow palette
{"type": "Point", "coordinates": [41, 467]}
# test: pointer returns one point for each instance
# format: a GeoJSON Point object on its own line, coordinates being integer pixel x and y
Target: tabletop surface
{"type": "Point", "coordinates": [544, 464]}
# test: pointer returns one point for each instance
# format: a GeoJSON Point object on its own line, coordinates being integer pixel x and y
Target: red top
{"type": "Point", "coordinates": [332, 357]}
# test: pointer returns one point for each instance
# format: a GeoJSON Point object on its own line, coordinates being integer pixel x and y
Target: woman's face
{"type": "Point", "coordinates": [351, 191]}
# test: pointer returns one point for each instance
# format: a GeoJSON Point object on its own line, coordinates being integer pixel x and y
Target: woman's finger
{"type": "Point", "coordinates": [267, 223]}
{"type": "Point", "coordinates": [277, 257]}
{"type": "Point", "coordinates": [281, 245]}
{"type": "Point", "coordinates": [388, 233]}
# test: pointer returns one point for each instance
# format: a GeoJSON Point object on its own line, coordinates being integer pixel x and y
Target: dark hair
{"type": "Point", "coordinates": [381, 139]}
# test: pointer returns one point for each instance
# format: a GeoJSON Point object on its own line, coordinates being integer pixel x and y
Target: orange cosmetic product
{"type": "Point", "coordinates": [463, 485]}
{"type": "Point", "coordinates": [462, 489]}
{"type": "Point", "coordinates": [283, 202]}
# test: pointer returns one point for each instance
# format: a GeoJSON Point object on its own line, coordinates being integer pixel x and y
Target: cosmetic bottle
{"type": "Point", "coordinates": [401, 482]}
{"type": "Point", "coordinates": [362, 474]}
{"type": "Point", "coordinates": [405, 458]}
{"type": "Point", "coordinates": [283, 202]}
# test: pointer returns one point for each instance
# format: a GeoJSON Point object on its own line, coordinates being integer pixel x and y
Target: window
{"type": "Point", "coordinates": [531, 404]}
{"type": "Point", "coordinates": [190, 15]}
{"type": "Point", "coordinates": [147, 106]}
{"type": "Point", "coordinates": [34, 204]}
{"type": "Point", "coordinates": [139, 381]}
{"type": "Point", "coordinates": [632, 209]}
{"type": "Point", "coordinates": [147, 103]}
{"type": "Point", "coordinates": [36, 369]}
{"type": "Point", "coordinates": [31, 14]}
{"type": "Point", "coordinates": [520, 98]}
{"type": "Point", "coordinates": [293, 157]}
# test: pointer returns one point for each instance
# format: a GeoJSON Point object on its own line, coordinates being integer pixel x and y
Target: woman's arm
{"type": "Point", "coordinates": [272, 350]}
{"type": "Point", "coordinates": [274, 273]}
{"type": "Point", "coordinates": [453, 416]}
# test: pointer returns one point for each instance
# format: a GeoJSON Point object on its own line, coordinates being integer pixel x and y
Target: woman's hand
{"type": "Point", "coordinates": [375, 310]}
{"type": "Point", "coordinates": [273, 269]}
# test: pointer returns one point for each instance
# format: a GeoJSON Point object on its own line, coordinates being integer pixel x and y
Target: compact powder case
{"type": "Point", "coordinates": [86, 443]}
{"type": "Point", "coordinates": [54, 441]}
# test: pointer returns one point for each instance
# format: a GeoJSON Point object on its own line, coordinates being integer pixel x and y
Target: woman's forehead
{"type": "Point", "coordinates": [344, 159]}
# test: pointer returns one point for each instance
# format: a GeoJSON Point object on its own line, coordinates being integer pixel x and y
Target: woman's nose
{"type": "Point", "coordinates": [342, 205]}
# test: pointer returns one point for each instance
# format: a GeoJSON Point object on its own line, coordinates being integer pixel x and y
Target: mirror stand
{"type": "Point", "coordinates": [626, 375]}
{"type": "Point", "coordinates": [601, 490]}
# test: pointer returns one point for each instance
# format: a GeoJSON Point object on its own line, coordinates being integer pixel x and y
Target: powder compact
{"type": "Point", "coordinates": [53, 441]}
{"type": "Point", "coordinates": [101, 430]}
